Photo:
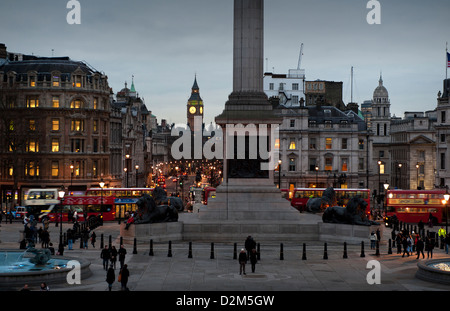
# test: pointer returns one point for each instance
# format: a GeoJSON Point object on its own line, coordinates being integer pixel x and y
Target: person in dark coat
{"type": "Point", "coordinates": [106, 256]}
{"type": "Point", "coordinates": [110, 277]}
{"type": "Point", "coordinates": [249, 245]}
{"type": "Point", "coordinates": [242, 261]}
{"type": "Point", "coordinates": [429, 245]}
{"type": "Point", "coordinates": [419, 247]}
{"type": "Point", "coordinates": [405, 246]}
{"type": "Point", "coordinates": [253, 259]}
{"type": "Point", "coordinates": [122, 252]}
{"type": "Point", "coordinates": [125, 273]}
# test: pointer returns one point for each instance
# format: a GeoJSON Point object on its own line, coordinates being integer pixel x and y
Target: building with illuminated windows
{"type": "Point", "coordinates": [55, 124]}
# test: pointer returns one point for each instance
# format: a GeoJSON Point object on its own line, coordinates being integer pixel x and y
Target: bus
{"type": "Point", "coordinates": [412, 206]}
{"type": "Point", "coordinates": [124, 198]}
{"type": "Point", "coordinates": [343, 195]}
{"type": "Point", "coordinates": [85, 208]}
{"type": "Point", "coordinates": [40, 202]}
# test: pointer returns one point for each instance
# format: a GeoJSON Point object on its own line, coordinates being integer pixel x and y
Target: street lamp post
{"type": "Point", "coordinates": [101, 184]}
{"type": "Point", "coordinates": [61, 245]}
{"type": "Point", "coordinates": [417, 175]}
{"type": "Point", "coordinates": [71, 174]}
{"type": "Point", "coordinates": [137, 169]}
{"type": "Point", "coordinates": [446, 197]}
{"type": "Point", "coordinates": [317, 176]}
{"type": "Point", "coordinates": [400, 170]}
{"type": "Point", "coordinates": [279, 174]}
{"type": "Point", "coordinates": [386, 187]}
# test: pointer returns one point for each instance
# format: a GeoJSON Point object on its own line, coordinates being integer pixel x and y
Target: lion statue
{"type": "Point", "coordinates": [317, 205]}
{"type": "Point", "coordinates": [353, 214]}
{"type": "Point", "coordinates": [160, 197]}
{"type": "Point", "coordinates": [149, 212]}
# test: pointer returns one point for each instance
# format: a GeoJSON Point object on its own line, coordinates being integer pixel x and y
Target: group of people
{"type": "Point", "coordinates": [109, 256]}
{"type": "Point", "coordinates": [409, 243]}
{"type": "Point", "coordinates": [249, 255]}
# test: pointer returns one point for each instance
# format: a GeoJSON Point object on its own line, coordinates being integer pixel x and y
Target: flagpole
{"type": "Point", "coordinates": [446, 59]}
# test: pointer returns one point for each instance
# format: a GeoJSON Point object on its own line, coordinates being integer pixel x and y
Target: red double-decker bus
{"type": "Point", "coordinates": [302, 195]}
{"type": "Point", "coordinates": [85, 207]}
{"type": "Point", "coordinates": [412, 206]}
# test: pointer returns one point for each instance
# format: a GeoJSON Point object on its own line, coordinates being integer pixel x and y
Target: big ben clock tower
{"type": "Point", "coordinates": [195, 108]}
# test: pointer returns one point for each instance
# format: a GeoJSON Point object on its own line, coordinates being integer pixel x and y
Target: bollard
{"type": "Point", "coordinates": [258, 251]}
{"type": "Point", "coordinates": [362, 249]}
{"type": "Point", "coordinates": [235, 251]}
{"type": "Point", "coordinates": [304, 252]}
{"type": "Point", "coordinates": [81, 241]}
{"type": "Point", "coordinates": [135, 246]}
{"type": "Point", "coordinates": [150, 253]}
{"type": "Point", "coordinates": [212, 251]}
{"type": "Point", "coordinates": [190, 250]}
{"type": "Point", "coordinates": [325, 253]}
{"type": "Point", "coordinates": [377, 253]}
{"type": "Point", "coordinates": [121, 241]}
{"type": "Point", "coordinates": [345, 250]}
{"type": "Point", "coordinates": [101, 241]}
{"type": "Point", "coordinates": [110, 241]}
{"type": "Point", "coordinates": [390, 248]}
{"type": "Point", "coordinates": [281, 252]}
{"type": "Point", "coordinates": [169, 254]}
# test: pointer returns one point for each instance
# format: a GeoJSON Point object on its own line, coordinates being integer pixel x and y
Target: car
{"type": "Point", "coordinates": [20, 212]}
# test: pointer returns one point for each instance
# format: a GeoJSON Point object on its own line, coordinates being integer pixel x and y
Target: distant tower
{"type": "Point", "coordinates": [194, 106]}
{"type": "Point", "coordinates": [381, 114]}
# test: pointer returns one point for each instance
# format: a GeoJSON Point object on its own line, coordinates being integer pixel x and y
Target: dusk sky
{"type": "Point", "coordinates": [165, 43]}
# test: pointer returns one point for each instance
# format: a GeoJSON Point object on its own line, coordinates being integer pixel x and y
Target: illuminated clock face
{"type": "Point", "coordinates": [192, 110]}
{"type": "Point", "coordinates": [201, 109]}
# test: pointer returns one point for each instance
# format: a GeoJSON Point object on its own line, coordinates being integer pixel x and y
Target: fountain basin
{"type": "Point", "coordinates": [16, 270]}
{"type": "Point", "coordinates": [434, 270]}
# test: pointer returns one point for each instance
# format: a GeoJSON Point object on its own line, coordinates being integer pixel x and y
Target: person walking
{"type": "Point", "coordinates": [373, 240]}
{"type": "Point", "coordinates": [249, 245]}
{"type": "Point", "coordinates": [429, 245]}
{"type": "Point", "coordinates": [70, 238]}
{"type": "Point", "coordinates": [122, 252]}
{"type": "Point", "coordinates": [405, 247]}
{"type": "Point", "coordinates": [253, 259]}
{"type": "Point", "coordinates": [242, 261]}
{"type": "Point", "coordinates": [447, 242]}
{"type": "Point", "coordinates": [93, 239]}
{"type": "Point", "coordinates": [110, 277]}
{"type": "Point", "coordinates": [124, 275]}
{"type": "Point", "coordinates": [44, 287]}
{"type": "Point", "coordinates": [113, 256]}
{"type": "Point", "coordinates": [419, 247]}
{"type": "Point", "coordinates": [106, 256]}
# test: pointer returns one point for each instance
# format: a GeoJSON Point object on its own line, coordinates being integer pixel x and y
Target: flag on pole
{"type": "Point", "coordinates": [448, 60]}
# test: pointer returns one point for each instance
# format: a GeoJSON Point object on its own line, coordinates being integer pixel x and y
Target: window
{"type": "Point", "coordinates": [442, 138]}
{"type": "Point", "coordinates": [77, 168]}
{"type": "Point", "coordinates": [443, 117]}
{"type": "Point", "coordinates": [281, 88]}
{"type": "Point", "coordinates": [55, 124]}
{"type": "Point", "coordinates": [378, 129]}
{"type": "Point", "coordinates": [55, 102]}
{"type": "Point", "coordinates": [361, 144]}
{"type": "Point", "coordinates": [328, 163]}
{"type": "Point", "coordinates": [361, 164]}
{"type": "Point", "coordinates": [32, 125]}
{"type": "Point", "coordinates": [381, 154]}
{"type": "Point", "coordinates": [55, 145]}
{"type": "Point", "coordinates": [32, 145]}
{"type": "Point", "coordinates": [95, 168]}
{"type": "Point", "coordinates": [312, 164]}
{"type": "Point", "coordinates": [292, 123]}
{"type": "Point", "coordinates": [295, 86]}
{"type": "Point", "coordinates": [77, 126]}
{"type": "Point", "coordinates": [294, 99]}
{"type": "Point", "coordinates": [328, 143]}
{"type": "Point", "coordinates": [95, 102]}
{"type": "Point", "coordinates": [385, 130]}
{"type": "Point", "coordinates": [32, 168]}
{"type": "Point", "coordinates": [292, 164]}
{"type": "Point", "coordinates": [55, 168]}
{"type": "Point", "coordinates": [344, 143]}
{"type": "Point", "coordinates": [381, 168]}
{"type": "Point", "coordinates": [312, 144]}
{"type": "Point", "coordinates": [443, 161]}
{"type": "Point", "coordinates": [95, 145]}
{"type": "Point", "coordinates": [32, 81]}
{"type": "Point", "coordinates": [77, 145]}
{"type": "Point", "coordinates": [55, 81]}
{"type": "Point", "coordinates": [292, 144]}
{"type": "Point", "coordinates": [77, 81]}
{"type": "Point", "coordinates": [344, 164]}
{"type": "Point", "coordinates": [270, 86]}
{"type": "Point", "coordinates": [76, 104]}
{"type": "Point", "coordinates": [32, 102]}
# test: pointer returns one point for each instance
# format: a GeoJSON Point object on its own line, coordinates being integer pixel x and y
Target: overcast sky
{"type": "Point", "coordinates": [164, 43]}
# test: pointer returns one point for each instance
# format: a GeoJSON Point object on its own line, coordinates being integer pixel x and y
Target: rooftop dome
{"type": "Point", "coordinates": [380, 91]}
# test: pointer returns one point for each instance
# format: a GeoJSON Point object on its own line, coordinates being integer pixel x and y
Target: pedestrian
{"type": "Point", "coordinates": [447, 242]}
{"type": "Point", "coordinates": [51, 248]}
{"type": "Point", "coordinates": [25, 288]}
{"type": "Point", "coordinates": [113, 256]}
{"type": "Point", "coordinates": [122, 252]}
{"type": "Point", "coordinates": [442, 234]}
{"type": "Point", "coordinates": [44, 287]}
{"type": "Point", "coordinates": [85, 238]}
{"type": "Point", "coordinates": [378, 233]}
{"type": "Point", "coordinates": [242, 261]}
{"type": "Point", "coordinates": [110, 277]}
{"type": "Point", "coordinates": [124, 274]}
{"type": "Point", "coordinates": [419, 247]}
{"type": "Point", "coordinates": [399, 243]}
{"type": "Point", "coordinates": [70, 238]}
{"type": "Point", "coordinates": [405, 246]}
{"type": "Point", "coordinates": [253, 259]}
{"type": "Point", "coordinates": [373, 240]}
{"type": "Point", "coordinates": [45, 239]}
{"type": "Point", "coordinates": [429, 245]}
{"type": "Point", "coordinates": [106, 256]}
{"type": "Point", "coordinates": [249, 245]}
{"type": "Point", "coordinates": [93, 239]}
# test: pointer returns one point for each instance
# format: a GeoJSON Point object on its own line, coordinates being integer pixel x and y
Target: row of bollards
{"type": "Point", "coordinates": [325, 252]}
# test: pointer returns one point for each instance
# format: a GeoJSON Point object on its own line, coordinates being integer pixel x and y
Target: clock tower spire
{"type": "Point", "coordinates": [194, 107]}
